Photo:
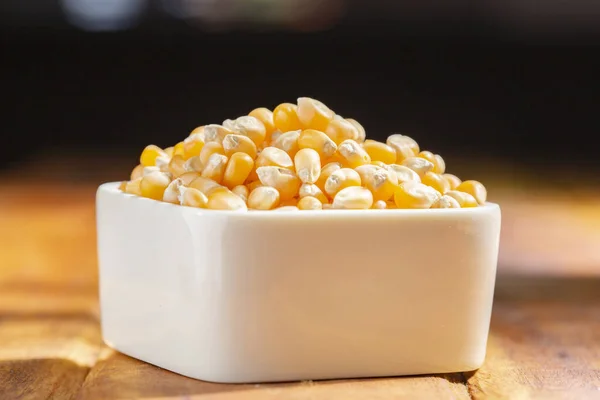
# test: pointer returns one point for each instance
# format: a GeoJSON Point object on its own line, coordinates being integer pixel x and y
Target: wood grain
{"type": "Point", "coordinates": [544, 341]}
{"type": "Point", "coordinates": [120, 377]}
{"type": "Point", "coordinates": [46, 358]}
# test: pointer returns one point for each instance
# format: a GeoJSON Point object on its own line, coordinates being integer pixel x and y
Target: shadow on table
{"type": "Point", "coordinates": [120, 376]}
{"type": "Point", "coordinates": [522, 287]}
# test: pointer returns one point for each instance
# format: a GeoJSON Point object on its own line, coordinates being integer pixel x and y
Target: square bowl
{"type": "Point", "coordinates": [266, 296]}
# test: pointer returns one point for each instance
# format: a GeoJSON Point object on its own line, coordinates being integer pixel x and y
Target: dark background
{"type": "Point", "coordinates": [463, 84]}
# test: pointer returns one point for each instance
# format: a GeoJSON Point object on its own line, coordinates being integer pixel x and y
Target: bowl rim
{"type": "Point", "coordinates": [488, 207]}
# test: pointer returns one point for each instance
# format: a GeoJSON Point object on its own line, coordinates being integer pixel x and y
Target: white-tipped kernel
{"type": "Point", "coordinates": [194, 165]}
{"type": "Point", "coordinates": [308, 165]}
{"type": "Point", "coordinates": [446, 202]}
{"type": "Point", "coordinates": [353, 198]}
{"type": "Point", "coordinates": [216, 133]}
{"type": "Point", "coordinates": [263, 198]}
{"type": "Point", "coordinates": [354, 154]}
{"type": "Point", "coordinates": [172, 192]}
{"type": "Point", "coordinates": [162, 162]}
{"type": "Point", "coordinates": [312, 190]}
{"type": "Point", "coordinates": [420, 165]}
{"type": "Point", "coordinates": [380, 205]}
{"type": "Point", "coordinates": [150, 170]}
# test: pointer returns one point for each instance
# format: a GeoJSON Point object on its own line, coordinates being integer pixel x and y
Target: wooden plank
{"type": "Point", "coordinates": [544, 341]}
{"type": "Point", "coordinates": [43, 358]}
{"type": "Point", "coordinates": [31, 300]}
{"type": "Point", "coordinates": [550, 233]}
{"type": "Point", "coordinates": [47, 236]}
{"type": "Point", "coordinates": [117, 376]}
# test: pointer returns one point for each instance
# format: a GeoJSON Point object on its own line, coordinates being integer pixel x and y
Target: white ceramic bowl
{"type": "Point", "coordinates": [276, 296]}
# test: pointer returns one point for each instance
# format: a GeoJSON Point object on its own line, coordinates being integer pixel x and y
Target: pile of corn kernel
{"type": "Point", "coordinates": [298, 157]}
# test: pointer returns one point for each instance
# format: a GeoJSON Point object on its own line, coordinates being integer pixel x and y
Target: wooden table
{"type": "Point", "coordinates": [544, 341]}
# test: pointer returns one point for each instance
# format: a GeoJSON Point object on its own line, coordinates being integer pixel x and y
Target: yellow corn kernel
{"type": "Point", "coordinates": [254, 184]}
{"type": "Point", "coordinates": [366, 171]}
{"type": "Point", "coordinates": [398, 139]}
{"type": "Point", "coordinates": [137, 172]}
{"type": "Point", "coordinates": [284, 180]}
{"type": "Point", "coordinates": [123, 186]}
{"type": "Point", "coordinates": [285, 117]}
{"type": "Point", "coordinates": [436, 181]}
{"type": "Point", "coordinates": [453, 180]}
{"type": "Point", "coordinates": [209, 149]}
{"type": "Point", "coordinates": [263, 198]}
{"type": "Point", "coordinates": [354, 155]}
{"type": "Point", "coordinates": [313, 114]}
{"type": "Point", "coordinates": [153, 185]}
{"type": "Point", "coordinates": [206, 186]}
{"type": "Point", "coordinates": [335, 158]}
{"type": "Point", "coordinates": [391, 205]}
{"type": "Point", "coordinates": [382, 183]}
{"type": "Point", "coordinates": [149, 170]}
{"type": "Point", "coordinates": [446, 202]}
{"type": "Point", "coordinates": [289, 202]}
{"type": "Point", "coordinates": [288, 142]}
{"type": "Point", "coordinates": [239, 143]}
{"type": "Point", "coordinates": [191, 197]}
{"type": "Point", "coordinates": [238, 168]}
{"type": "Point", "coordinates": [197, 130]}
{"type": "Point", "coordinates": [194, 165]}
{"type": "Point", "coordinates": [439, 166]}
{"type": "Point", "coordinates": [379, 164]}
{"type": "Point", "coordinates": [241, 191]}
{"type": "Point", "coordinates": [172, 192]}
{"type": "Point", "coordinates": [309, 203]}
{"type": "Point", "coordinates": [380, 151]}
{"type": "Point", "coordinates": [148, 156]}
{"type": "Point", "coordinates": [162, 163]}
{"type": "Point", "coordinates": [225, 200]}
{"type": "Point", "coordinates": [420, 165]}
{"type": "Point", "coordinates": [215, 168]}
{"type": "Point", "coordinates": [133, 186]}
{"type": "Point", "coordinates": [340, 179]}
{"type": "Point", "coordinates": [189, 177]}
{"type": "Point", "coordinates": [274, 157]}
{"type": "Point", "coordinates": [415, 195]}
{"type": "Point", "coordinates": [326, 171]}
{"type": "Point", "coordinates": [404, 174]}
{"type": "Point", "coordinates": [403, 145]}
{"type": "Point", "coordinates": [308, 165]}
{"type": "Point", "coordinates": [192, 145]}
{"type": "Point", "coordinates": [248, 126]}
{"type": "Point", "coordinates": [216, 133]}
{"type": "Point", "coordinates": [313, 191]}
{"type": "Point", "coordinates": [339, 130]}
{"type": "Point", "coordinates": [317, 140]}
{"type": "Point", "coordinates": [464, 199]}
{"type": "Point", "coordinates": [380, 205]}
{"type": "Point", "coordinates": [274, 136]}
{"type": "Point", "coordinates": [475, 189]}
{"type": "Point", "coordinates": [169, 151]}
{"type": "Point", "coordinates": [178, 149]}
{"type": "Point", "coordinates": [353, 198]}
{"type": "Point", "coordinates": [359, 128]}
{"type": "Point", "coordinates": [265, 116]}
{"type": "Point", "coordinates": [177, 166]}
